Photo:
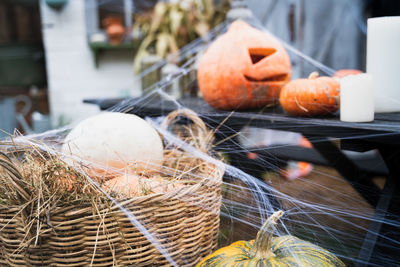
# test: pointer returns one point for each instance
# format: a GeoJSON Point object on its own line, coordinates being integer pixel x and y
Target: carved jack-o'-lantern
{"type": "Point", "coordinates": [243, 68]}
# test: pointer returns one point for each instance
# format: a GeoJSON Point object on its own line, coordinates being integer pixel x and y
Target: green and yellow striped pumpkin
{"type": "Point", "coordinates": [267, 250]}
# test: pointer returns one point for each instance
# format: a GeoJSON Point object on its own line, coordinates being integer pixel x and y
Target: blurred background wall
{"type": "Point", "coordinates": [73, 74]}
{"type": "Point", "coordinates": [331, 32]}
{"type": "Point", "coordinates": [49, 62]}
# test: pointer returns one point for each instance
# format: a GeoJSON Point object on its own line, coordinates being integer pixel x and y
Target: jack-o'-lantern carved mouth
{"type": "Point", "coordinates": [259, 54]}
{"type": "Point", "coordinates": [274, 78]}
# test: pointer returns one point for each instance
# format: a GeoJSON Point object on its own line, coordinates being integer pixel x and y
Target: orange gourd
{"type": "Point", "coordinates": [114, 29]}
{"type": "Point", "coordinates": [244, 68]}
{"type": "Point", "coordinates": [132, 185]}
{"type": "Point", "coordinates": [346, 72]}
{"type": "Point", "coordinates": [312, 96]}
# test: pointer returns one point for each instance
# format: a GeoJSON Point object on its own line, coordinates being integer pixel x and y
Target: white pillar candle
{"type": "Point", "coordinates": [356, 98]}
{"type": "Point", "coordinates": [383, 62]}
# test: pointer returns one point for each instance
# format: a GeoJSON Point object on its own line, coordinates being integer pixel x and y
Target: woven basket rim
{"type": "Point", "coordinates": [212, 176]}
{"type": "Point", "coordinates": [80, 233]}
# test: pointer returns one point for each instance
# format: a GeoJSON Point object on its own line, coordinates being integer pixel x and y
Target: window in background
{"type": "Point", "coordinates": [98, 10]}
{"type": "Point", "coordinates": [21, 49]}
{"type": "Point", "coordinates": [19, 22]}
{"type": "Point", "coordinates": [121, 9]}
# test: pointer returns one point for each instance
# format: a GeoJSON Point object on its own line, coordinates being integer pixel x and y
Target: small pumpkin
{"type": "Point", "coordinates": [312, 96]}
{"type": "Point", "coordinates": [267, 250]}
{"type": "Point", "coordinates": [346, 72]}
{"type": "Point", "coordinates": [132, 185]}
{"type": "Point", "coordinates": [244, 68]}
{"type": "Point", "coordinates": [114, 29]}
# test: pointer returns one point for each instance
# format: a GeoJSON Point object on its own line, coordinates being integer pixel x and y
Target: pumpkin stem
{"type": "Point", "coordinates": [262, 247]}
{"type": "Point", "coordinates": [300, 106]}
{"type": "Point", "coordinates": [337, 99]}
{"type": "Point", "coordinates": [313, 75]}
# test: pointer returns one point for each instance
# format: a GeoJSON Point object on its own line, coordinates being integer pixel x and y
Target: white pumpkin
{"type": "Point", "coordinates": [115, 141]}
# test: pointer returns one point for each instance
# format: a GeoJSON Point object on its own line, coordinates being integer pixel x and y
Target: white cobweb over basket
{"type": "Point", "coordinates": [321, 208]}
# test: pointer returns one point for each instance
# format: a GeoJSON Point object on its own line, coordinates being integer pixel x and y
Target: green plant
{"type": "Point", "coordinates": [173, 25]}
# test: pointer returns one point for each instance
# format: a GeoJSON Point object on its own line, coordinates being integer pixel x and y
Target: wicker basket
{"type": "Point", "coordinates": [185, 222]}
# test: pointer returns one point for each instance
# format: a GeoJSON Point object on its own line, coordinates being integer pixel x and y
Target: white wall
{"type": "Point", "coordinates": [71, 71]}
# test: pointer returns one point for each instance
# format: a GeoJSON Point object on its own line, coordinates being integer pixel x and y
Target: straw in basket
{"type": "Point", "coordinates": [184, 221]}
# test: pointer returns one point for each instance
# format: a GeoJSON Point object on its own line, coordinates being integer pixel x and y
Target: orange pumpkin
{"type": "Point", "coordinates": [133, 185]}
{"type": "Point", "coordinates": [114, 29]}
{"type": "Point", "coordinates": [312, 96]}
{"type": "Point", "coordinates": [346, 72]}
{"type": "Point", "coordinates": [243, 68]}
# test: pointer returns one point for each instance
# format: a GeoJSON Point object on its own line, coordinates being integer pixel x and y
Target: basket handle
{"type": "Point", "coordinates": [204, 137]}
{"type": "Point", "coordinates": [14, 177]}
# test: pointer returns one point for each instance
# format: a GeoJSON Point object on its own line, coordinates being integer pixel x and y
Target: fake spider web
{"type": "Point", "coordinates": [321, 208]}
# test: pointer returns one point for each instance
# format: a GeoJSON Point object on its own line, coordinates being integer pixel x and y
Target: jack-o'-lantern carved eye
{"type": "Point", "coordinates": [258, 54]}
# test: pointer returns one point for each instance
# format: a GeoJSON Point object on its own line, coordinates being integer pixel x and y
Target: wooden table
{"type": "Point", "coordinates": [382, 134]}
